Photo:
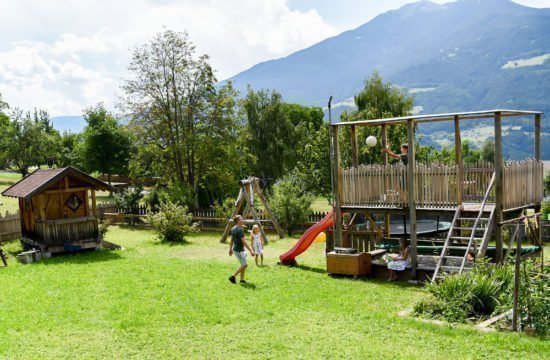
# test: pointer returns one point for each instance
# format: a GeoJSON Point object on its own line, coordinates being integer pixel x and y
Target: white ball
{"type": "Point", "coordinates": [371, 141]}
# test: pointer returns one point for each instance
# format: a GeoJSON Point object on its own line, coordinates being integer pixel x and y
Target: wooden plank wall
{"type": "Point", "coordinates": [10, 227]}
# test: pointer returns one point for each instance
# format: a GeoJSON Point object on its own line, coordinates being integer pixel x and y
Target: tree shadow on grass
{"type": "Point", "coordinates": [83, 257]}
{"type": "Point", "coordinates": [310, 268]}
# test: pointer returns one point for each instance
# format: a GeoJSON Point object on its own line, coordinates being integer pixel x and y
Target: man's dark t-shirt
{"type": "Point", "coordinates": [237, 235]}
{"type": "Point", "coordinates": [404, 158]}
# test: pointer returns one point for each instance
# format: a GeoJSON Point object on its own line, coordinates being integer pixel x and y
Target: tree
{"type": "Point", "coordinates": [106, 144]}
{"type": "Point", "coordinates": [30, 140]}
{"type": "Point", "coordinates": [488, 150]}
{"type": "Point", "coordinates": [313, 167]}
{"type": "Point", "coordinates": [377, 100]}
{"type": "Point", "coordinates": [290, 203]}
{"type": "Point", "coordinates": [70, 150]}
{"type": "Point", "coordinates": [4, 132]}
{"type": "Point", "coordinates": [185, 126]}
{"type": "Point", "coordinates": [269, 130]}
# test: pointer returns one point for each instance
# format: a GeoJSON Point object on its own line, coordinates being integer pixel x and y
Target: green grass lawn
{"type": "Point", "coordinates": [320, 204]}
{"type": "Point", "coordinates": [8, 203]}
{"type": "Point", "coordinates": [154, 300]}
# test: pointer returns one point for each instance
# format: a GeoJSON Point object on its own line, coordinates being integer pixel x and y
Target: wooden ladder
{"type": "Point", "coordinates": [478, 239]}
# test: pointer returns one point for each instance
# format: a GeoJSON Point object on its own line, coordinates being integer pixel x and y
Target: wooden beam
{"type": "Point", "coordinates": [354, 150]}
{"type": "Point", "coordinates": [384, 135]}
{"type": "Point", "coordinates": [66, 182]}
{"type": "Point", "coordinates": [537, 136]}
{"type": "Point", "coordinates": [87, 207]}
{"type": "Point", "coordinates": [337, 187]}
{"type": "Point", "coordinates": [410, 189]}
{"type": "Point", "coordinates": [263, 199]}
{"type": "Point", "coordinates": [94, 208]}
{"type": "Point", "coordinates": [498, 187]}
{"type": "Point", "coordinates": [458, 157]}
{"type": "Point", "coordinates": [66, 190]}
{"type": "Point", "coordinates": [40, 201]}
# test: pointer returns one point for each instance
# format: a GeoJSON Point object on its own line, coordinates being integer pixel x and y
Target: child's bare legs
{"type": "Point", "coordinates": [256, 259]}
{"type": "Point", "coordinates": [262, 257]}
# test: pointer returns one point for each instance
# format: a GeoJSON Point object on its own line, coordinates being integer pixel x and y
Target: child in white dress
{"type": "Point", "coordinates": [257, 244]}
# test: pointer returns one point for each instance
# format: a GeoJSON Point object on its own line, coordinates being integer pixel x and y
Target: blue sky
{"type": "Point", "coordinates": [65, 55]}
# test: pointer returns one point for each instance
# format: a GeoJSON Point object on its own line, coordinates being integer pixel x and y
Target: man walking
{"type": "Point", "coordinates": [236, 247]}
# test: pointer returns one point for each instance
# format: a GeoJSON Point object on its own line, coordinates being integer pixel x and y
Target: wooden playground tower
{"type": "Point", "coordinates": [479, 198]}
{"type": "Point", "coordinates": [249, 188]}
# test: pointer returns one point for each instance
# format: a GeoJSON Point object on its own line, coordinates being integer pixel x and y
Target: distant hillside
{"type": "Point", "coordinates": [74, 124]}
{"type": "Point", "coordinates": [465, 55]}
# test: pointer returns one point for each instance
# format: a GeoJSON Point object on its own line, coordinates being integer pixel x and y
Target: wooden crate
{"type": "Point", "coordinates": [349, 264]}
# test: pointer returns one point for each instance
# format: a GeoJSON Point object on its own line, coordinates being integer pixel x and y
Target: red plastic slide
{"type": "Point", "coordinates": [307, 239]}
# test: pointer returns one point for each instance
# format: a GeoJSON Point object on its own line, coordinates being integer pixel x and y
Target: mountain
{"type": "Point", "coordinates": [74, 124]}
{"type": "Point", "coordinates": [460, 56]}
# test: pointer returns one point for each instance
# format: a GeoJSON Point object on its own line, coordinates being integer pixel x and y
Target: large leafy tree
{"type": "Point", "coordinates": [106, 144]}
{"type": "Point", "coordinates": [185, 126]}
{"type": "Point", "coordinates": [269, 131]}
{"type": "Point", "coordinates": [377, 100]}
{"type": "Point", "coordinates": [4, 131]}
{"type": "Point", "coordinates": [29, 140]}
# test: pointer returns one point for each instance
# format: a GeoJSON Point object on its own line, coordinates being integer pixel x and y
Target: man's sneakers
{"type": "Point", "coordinates": [244, 282]}
{"type": "Point", "coordinates": [232, 279]}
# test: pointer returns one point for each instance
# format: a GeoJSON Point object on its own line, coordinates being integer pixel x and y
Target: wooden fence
{"type": "Point", "coordinates": [10, 227]}
{"type": "Point", "coordinates": [523, 183]}
{"type": "Point", "coordinates": [475, 180]}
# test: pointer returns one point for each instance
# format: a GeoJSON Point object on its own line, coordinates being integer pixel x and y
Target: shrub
{"type": "Point", "coordinates": [180, 194]}
{"type": "Point", "coordinates": [172, 222]}
{"type": "Point", "coordinates": [103, 228]}
{"type": "Point", "coordinates": [128, 200]}
{"type": "Point", "coordinates": [289, 202]}
{"type": "Point", "coordinates": [225, 209]}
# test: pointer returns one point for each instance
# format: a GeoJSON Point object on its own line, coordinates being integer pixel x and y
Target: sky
{"type": "Point", "coordinates": [65, 55]}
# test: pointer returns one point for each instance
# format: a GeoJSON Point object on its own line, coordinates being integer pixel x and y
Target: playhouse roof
{"type": "Point", "coordinates": [41, 179]}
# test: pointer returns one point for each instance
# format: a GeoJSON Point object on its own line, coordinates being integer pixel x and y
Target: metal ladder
{"type": "Point", "coordinates": [477, 243]}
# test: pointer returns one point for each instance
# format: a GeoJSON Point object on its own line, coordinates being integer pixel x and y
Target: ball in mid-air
{"type": "Point", "coordinates": [371, 141]}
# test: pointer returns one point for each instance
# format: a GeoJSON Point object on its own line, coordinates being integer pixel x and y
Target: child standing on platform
{"type": "Point", "coordinates": [257, 241]}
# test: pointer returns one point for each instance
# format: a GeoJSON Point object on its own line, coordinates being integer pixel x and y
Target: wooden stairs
{"type": "Point", "coordinates": [470, 232]}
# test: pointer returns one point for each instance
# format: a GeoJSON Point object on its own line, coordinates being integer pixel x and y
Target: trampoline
{"type": "Point", "coordinates": [423, 227]}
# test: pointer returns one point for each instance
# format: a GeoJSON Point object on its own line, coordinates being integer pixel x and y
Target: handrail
{"type": "Point", "coordinates": [474, 228]}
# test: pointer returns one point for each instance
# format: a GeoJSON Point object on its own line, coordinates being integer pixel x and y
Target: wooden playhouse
{"type": "Point", "coordinates": [58, 209]}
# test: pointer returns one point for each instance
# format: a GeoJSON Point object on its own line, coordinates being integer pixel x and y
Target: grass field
{"type": "Point", "coordinates": [155, 300]}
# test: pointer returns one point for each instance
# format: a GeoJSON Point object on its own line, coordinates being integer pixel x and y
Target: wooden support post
{"type": "Point", "coordinates": [94, 208]}
{"type": "Point", "coordinates": [248, 199]}
{"type": "Point", "coordinates": [87, 202]}
{"type": "Point", "coordinates": [499, 164]}
{"type": "Point", "coordinates": [537, 137]}
{"type": "Point", "coordinates": [516, 285]}
{"type": "Point", "coordinates": [384, 134]}
{"type": "Point", "coordinates": [458, 157]}
{"type": "Point", "coordinates": [337, 187]}
{"type": "Point", "coordinates": [238, 205]}
{"type": "Point", "coordinates": [410, 189]}
{"type": "Point", "coordinates": [263, 199]}
{"type": "Point", "coordinates": [354, 150]}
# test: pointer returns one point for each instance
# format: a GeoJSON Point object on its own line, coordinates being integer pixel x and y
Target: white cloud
{"type": "Point", "coordinates": [67, 55]}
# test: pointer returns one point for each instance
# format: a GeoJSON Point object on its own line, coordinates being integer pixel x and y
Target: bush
{"type": "Point", "coordinates": [289, 203]}
{"type": "Point", "coordinates": [128, 200]}
{"type": "Point", "coordinates": [172, 222]}
{"type": "Point", "coordinates": [225, 209]}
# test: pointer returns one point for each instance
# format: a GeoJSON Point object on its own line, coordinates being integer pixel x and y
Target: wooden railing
{"type": "Point", "coordinates": [522, 183]}
{"type": "Point", "coordinates": [59, 232]}
{"type": "Point", "coordinates": [475, 180]}
{"type": "Point", "coordinates": [385, 186]}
